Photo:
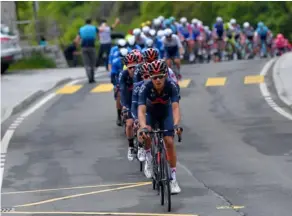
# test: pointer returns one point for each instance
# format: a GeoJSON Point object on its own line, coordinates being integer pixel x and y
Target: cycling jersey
{"type": "Point", "coordinates": [137, 74]}
{"type": "Point", "coordinates": [262, 32]}
{"type": "Point", "coordinates": [158, 106]}
{"type": "Point", "coordinates": [219, 29]}
{"type": "Point", "coordinates": [185, 31]}
{"type": "Point", "coordinates": [115, 52]}
{"type": "Point", "coordinates": [87, 34]}
{"type": "Point", "coordinates": [117, 68]}
{"type": "Point", "coordinates": [159, 45]}
{"type": "Point", "coordinates": [141, 41]}
{"type": "Point", "coordinates": [136, 46]}
{"type": "Point", "coordinates": [249, 33]}
{"type": "Point", "coordinates": [196, 31]}
{"type": "Point", "coordinates": [126, 89]}
{"type": "Point", "coordinates": [171, 47]}
{"type": "Point", "coordinates": [135, 98]}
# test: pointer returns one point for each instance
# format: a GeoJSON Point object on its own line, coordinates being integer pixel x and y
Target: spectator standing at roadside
{"type": "Point", "coordinates": [87, 35]}
{"type": "Point", "coordinates": [105, 40]}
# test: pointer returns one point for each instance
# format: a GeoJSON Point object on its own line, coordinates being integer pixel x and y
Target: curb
{"type": "Point", "coordinates": [278, 83]}
{"type": "Point", "coordinates": [32, 98]}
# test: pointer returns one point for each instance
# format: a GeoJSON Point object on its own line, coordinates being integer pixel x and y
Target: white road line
{"type": "Point", "coordinates": [9, 133]}
{"type": "Point", "coordinates": [266, 94]}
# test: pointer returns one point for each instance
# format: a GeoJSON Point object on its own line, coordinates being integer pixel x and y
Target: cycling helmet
{"type": "Point", "coordinates": [260, 24]}
{"type": "Point", "coordinates": [130, 59]}
{"type": "Point", "coordinates": [161, 18]}
{"type": "Point", "coordinates": [137, 31]}
{"type": "Point", "coordinates": [172, 19]}
{"type": "Point", "coordinates": [152, 32]}
{"type": "Point", "coordinates": [206, 28]}
{"type": "Point", "coordinates": [157, 67]}
{"type": "Point", "coordinates": [144, 69]}
{"type": "Point", "coordinates": [219, 19]}
{"type": "Point", "coordinates": [160, 33]}
{"type": "Point", "coordinates": [167, 22]}
{"type": "Point", "coordinates": [131, 40]}
{"type": "Point", "coordinates": [200, 23]}
{"type": "Point", "coordinates": [183, 20]}
{"type": "Point", "coordinates": [157, 22]}
{"type": "Point", "coordinates": [123, 51]}
{"type": "Point", "coordinates": [138, 55]}
{"type": "Point", "coordinates": [168, 32]}
{"type": "Point", "coordinates": [194, 21]}
{"type": "Point", "coordinates": [149, 42]}
{"type": "Point", "coordinates": [146, 29]}
{"type": "Point", "coordinates": [150, 55]}
{"type": "Point", "coordinates": [148, 22]}
{"type": "Point", "coordinates": [233, 21]}
{"type": "Point", "coordinates": [246, 25]}
{"type": "Point", "coordinates": [122, 43]}
{"type": "Point", "coordinates": [280, 36]}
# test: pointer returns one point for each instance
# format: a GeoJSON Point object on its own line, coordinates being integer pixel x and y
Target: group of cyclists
{"type": "Point", "coordinates": [145, 69]}
{"type": "Point", "coordinates": [194, 41]}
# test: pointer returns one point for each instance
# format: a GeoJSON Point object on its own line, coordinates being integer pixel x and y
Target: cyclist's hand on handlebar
{"type": "Point", "coordinates": [178, 130]}
{"type": "Point", "coordinates": [136, 123]}
{"type": "Point", "coordinates": [144, 133]}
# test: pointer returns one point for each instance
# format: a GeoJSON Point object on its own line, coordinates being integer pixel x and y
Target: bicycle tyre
{"type": "Point", "coordinates": [141, 166]}
{"type": "Point", "coordinates": [167, 189]}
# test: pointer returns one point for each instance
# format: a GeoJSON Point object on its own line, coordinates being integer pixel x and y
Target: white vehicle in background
{"type": "Point", "coordinates": [10, 49]}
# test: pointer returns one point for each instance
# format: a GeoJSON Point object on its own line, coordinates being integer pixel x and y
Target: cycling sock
{"type": "Point", "coordinates": [131, 142]}
{"type": "Point", "coordinates": [148, 155]}
{"type": "Point", "coordinates": [119, 113]}
{"type": "Point", "coordinates": [173, 173]}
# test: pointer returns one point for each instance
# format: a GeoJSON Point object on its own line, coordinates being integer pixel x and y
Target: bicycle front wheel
{"type": "Point", "coordinates": [165, 181]}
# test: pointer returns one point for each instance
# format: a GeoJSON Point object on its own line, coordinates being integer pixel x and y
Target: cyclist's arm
{"type": "Point", "coordinates": [142, 106]}
{"type": "Point", "coordinates": [135, 97]}
{"type": "Point", "coordinates": [175, 104]}
{"type": "Point", "coordinates": [123, 89]}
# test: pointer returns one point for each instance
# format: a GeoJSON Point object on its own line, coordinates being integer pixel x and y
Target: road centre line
{"type": "Point", "coordinates": [98, 213]}
{"type": "Point", "coordinates": [72, 188]}
{"type": "Point", "coordinates": [81, 194]}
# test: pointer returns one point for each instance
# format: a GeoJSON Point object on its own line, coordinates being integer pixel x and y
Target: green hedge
{"type": "Point", "coordinates": [35, 61]}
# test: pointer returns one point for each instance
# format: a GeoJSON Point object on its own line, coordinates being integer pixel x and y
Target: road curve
{"type": "Point", "coordinates": [235, 158]}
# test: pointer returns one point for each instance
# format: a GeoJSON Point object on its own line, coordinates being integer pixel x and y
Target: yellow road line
{"type": "Point", "coordinates": [216, 81]}
{"type": "Point", "coordinates": [100, 213]}
{"type": "Point", "coordinates": [71, 188]}
{"type": "Point", "coordinates": [82, 194]}
{"type": "Point", "coordinates": [230, 207]}
{"type": "Point", "coordinates": [253, 79]}
{"type": "Point", "coordinates": [184, 83]}
{"type": "Point", "coordinates": [68, 89]}
{"type": "Point", "coordinates": [107, 87]}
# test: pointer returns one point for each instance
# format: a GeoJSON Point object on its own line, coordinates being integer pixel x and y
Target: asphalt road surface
{"type": "Point", "coordinates": [70, 158]}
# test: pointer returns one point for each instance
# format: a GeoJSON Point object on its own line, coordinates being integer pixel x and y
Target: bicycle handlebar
{"type": "Point", "coordinates": [162, 131]}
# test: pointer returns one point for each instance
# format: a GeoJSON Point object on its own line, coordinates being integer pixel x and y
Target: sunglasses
{"type": "Point", "coordinates": [132, 67]}
{"type": "Point", "coordinates": [146, 76]}
{"type": "Point", "coordinates": [155, 77]}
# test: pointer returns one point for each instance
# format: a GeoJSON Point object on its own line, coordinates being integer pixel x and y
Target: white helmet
{"type": "Point", "coordinates": [183, 20]}
{"type": "Point", "coordinates": [149, 42]}
{"type": "Point", "coordinates": [137, 31]}
{"type": "Point", "coordinates": [219, 19]}
{"type": "Point", "coordinates": [131, 40]}
{"type": "Point", "coordinates": [194, 21]}
{"type": "Point", "coordinates": [167, 32]}
{"type": "Point", "coordinates": [122, 42]}
{"type": "Point", "coordinates": [161, 18]}
{"type": "Point", "coordinates": [233, 21]}
{"type": "Point", "coordinates": [152, 32]}
{"type": "Point", "coordinates": [246, 24]}
{"type": "Point", "coordinates": [157, 22]}
{"type": "Point", "coordinates": [160, 33]}
{"type": "Point", "coordinates": [146, 29]}
{"type": "Point", "coordinates": [124, 51]}
{"type": "Point", "coordinates": [200, 23]}
{"type": "Point", "coordinates": [206, 28]}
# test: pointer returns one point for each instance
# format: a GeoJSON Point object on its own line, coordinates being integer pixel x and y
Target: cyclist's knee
{"type": "Point", "coordinates": [169, 142]}
{"type": "Point", "coordinates": [129, 123]}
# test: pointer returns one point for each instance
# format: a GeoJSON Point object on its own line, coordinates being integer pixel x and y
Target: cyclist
{"type": "Point", "coordinates": [140, 38]}
{"type": "Point", "coordinates": [196, 32]}
{"type": "Point", "coordinates": [114, 52]}
{"type": "Point", "coordinates": [132, 43]}
{"type": "Point", "coordinates": [185, 33]}
{"type": "Point", "coordinates": [280, 44]}
{"type": "Point", "coordinates": [159, 44]}
{"type": "Point", "coordinates": [134, 109]}
{"type": "Point", "coordinates": [146, 32]}
{"type": "Point", "coordinates": [126, 88]}
{"type": "Point", "coordinates": [218, 31]}
{"type": "Point", "coordinates": [137, 73]}
{"type": "Point", "coordinates": [159, 99]}
{"type": "Point", "coordinates": [173, 49]}
{"type": "Point", "coordinates": [262, 32]}
{"type": "Point", "coordinates": [248, 33]}
{"type": "Point", "coordinates": [116, 68]}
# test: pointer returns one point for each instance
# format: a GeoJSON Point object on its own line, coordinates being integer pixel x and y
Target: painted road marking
{"type": "Point", "coordinates": [99, 213]}
{"type": "Point", "coordinates": [106, 87]}
{"type": "Point", "coordinates": [68, 89]}
{"type": "Point", "coordinates": [230, 207]}
{"type": "Point", "coordinates": [253, 79]}
{"type": "Point", "coordinates": [82, 194]}
{"type": "Point", "coordinates": [184, 83]}
{"type": "Point", "coordinates": [216, 81]}
{"type": "Point", "coordinates": [72, 188]}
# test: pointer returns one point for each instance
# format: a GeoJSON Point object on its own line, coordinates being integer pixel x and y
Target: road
{"type": "Point", "coordinates": [235, 158]}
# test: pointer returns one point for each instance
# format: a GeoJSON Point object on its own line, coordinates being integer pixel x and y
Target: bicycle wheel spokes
{"type": "Point", "coordinates": [166, 180]}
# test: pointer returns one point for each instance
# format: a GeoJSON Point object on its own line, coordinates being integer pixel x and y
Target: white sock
{"type": "Point", "coordinates": [148, 155]}
{"type": "Point", "coordinates": [173, 173]}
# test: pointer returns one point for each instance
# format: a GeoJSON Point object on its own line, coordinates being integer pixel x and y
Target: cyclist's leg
{"type": "Point", "coordinates": [148, 162]}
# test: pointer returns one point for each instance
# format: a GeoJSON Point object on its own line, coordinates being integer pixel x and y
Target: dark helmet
{"type": "Point", "coordinates": [130, 59]}
{"type": "Point", "coordinates": [157, 67]}
{"type": "Point", "coordinates": [138, 55]}
{"type": "Point", "coordinates": [144, 69]}
{"type": "Point", "coordinates": [150, 55]}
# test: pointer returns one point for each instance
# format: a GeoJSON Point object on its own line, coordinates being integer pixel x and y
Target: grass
{"type": "Point", "coordinates": [35, 61]}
